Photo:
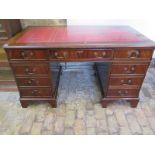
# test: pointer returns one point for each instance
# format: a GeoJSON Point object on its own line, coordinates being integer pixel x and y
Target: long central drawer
{"type": "Point", "coordinates": [69, 54]}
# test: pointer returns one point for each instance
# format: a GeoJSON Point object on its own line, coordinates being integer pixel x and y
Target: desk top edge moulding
{"type": "Point", "coordinates": [79, 37]}
{"type": "Point", "coordinates": [121, 57]}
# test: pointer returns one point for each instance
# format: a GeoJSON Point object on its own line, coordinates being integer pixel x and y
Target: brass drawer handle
{"type": "Point", "coordinates": [58, 57]}
{"type": "Point", "coordinates": [130, 70]}
{"type": "Point", "coordinates": [103, 54]}
{"type": "Point", "coordinates": [96, 55]}
{"type": "Point", "coordinates": [35, 92]}
{"type": "Point", "coordinates": [122, 93]}
{"type": "Point", "coordinates": [128, 82]}
{"type": "Point", "coordinates": [133, 68]}
{"type": "Point", "coordinates": [27, 55]}
{"type": "Point", "coordinates": [23, 54]}
{"type": "Point", "coordinates": [133, 54]}
{"type": "Point", "coordinates": [32, 81]}
{"type": "Point", "coordinates": [28, 71]}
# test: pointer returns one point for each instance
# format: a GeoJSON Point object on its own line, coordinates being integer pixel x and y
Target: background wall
{"type": "Point", "coordinates": [42, 22]}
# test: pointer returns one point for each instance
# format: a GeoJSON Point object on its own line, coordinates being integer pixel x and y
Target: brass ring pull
{"type": "Point", "coordinates": [133, 54]}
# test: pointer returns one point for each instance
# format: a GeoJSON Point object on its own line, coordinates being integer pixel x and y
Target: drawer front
{"type": "Point", "coordinates": [122, 92]}
{"type": "Point", "coordinates": [28, 54]}
{"type": "Point", "coordinates": [33, 81]}
{"type": "Point", "coordinates": [132, 54]}
{"type": "Point", "coordinates": [100, 54]}
{"type": "Point", "coordinates": [35, 92]}
{"type": "Point", "coordinates": [29, 70]}
{"type": "Point", "coordinates": [129, 69]}
{"type": "Point", "coordinates": [80, 54]}
{"type": "Point", "coordinates": [125, 81]}
{"type": "Point", "coordinates": [68, 54]}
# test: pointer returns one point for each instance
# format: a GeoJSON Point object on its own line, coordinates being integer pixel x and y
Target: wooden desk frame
{"type": "Point", "coordinates": [127, 64]}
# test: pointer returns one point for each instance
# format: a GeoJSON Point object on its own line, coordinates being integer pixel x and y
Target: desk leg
{"type": "Point", "coordinates": [105, 103]}
{"type": "Point", "coordinates": [53, 103]}
{"type": "Point", "coordinates": [134, 103]}
{"type": "Point", "coordinates": [24, 104]}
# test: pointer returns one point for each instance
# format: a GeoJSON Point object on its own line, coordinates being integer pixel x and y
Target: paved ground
{"type": "Point", "coordinates": [79, 111]}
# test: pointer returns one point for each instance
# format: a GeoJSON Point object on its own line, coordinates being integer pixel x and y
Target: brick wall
{"type": "Point", "coordinates": [42, 22]}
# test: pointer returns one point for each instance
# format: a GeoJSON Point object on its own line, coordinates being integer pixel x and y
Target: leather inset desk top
{"type": "Point", "coordinates": [77, 34]}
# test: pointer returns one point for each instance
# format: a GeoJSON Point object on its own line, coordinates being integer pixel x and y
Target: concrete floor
{"type": "Point", "coordinates": [79, 110]}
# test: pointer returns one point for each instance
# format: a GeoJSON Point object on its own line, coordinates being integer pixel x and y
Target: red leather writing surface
{"type": "Point", "coordinates": [80, 34]}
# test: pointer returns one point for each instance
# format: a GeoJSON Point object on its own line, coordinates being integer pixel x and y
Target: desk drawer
{"type": "Point", "coordinates": [81, 54]}
{"type": "Point", "coordinates": [100, 54]}
{"type": "Point", "coordinates": [33, 81]}
{"type": "Point", "coordinates": [68, 54]}
{"type": "Point", "coordinates": [30, 70]}
{"type": "Point", "coordinates": [35, 92]}
{"type": "Point", "coordinates": [129, 68]}
{"type": "Point", "coordinates": [27, 54]}
{"type": "Point", "coordinates": [122, 93]}
{"type": "Point", "coordinates": [125, 81]}
{"type": "Point", "coordinates": [132, 54]}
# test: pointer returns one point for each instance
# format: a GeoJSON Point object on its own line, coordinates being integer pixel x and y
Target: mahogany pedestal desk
{"type": "Point", "coordinates": [121, 55]}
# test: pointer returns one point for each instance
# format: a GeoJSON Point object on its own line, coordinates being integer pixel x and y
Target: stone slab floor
{"type": "Point", "coordinates": [79, 110]}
